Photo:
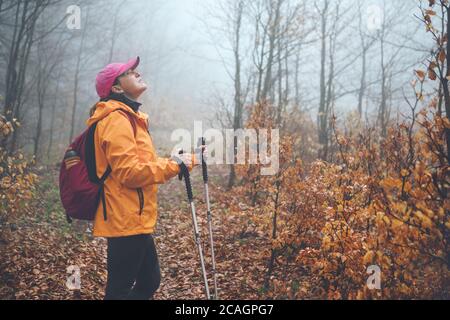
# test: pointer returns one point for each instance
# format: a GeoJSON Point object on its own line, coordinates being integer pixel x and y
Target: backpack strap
{"type": "Point", "coordinates": [91, 163]}
{"type": "Point", "coordinates": [101, 191]}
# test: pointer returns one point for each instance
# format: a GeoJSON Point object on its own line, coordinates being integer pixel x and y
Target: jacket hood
{"type": "Point", "coordinates": [104, 108]}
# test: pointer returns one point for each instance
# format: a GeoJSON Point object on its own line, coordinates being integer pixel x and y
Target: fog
{"type": "Point", "coordinates": [187, 59]}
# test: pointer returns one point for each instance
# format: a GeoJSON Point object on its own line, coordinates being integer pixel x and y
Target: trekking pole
{"type": "Point", "coordinates": [184, 172]}
{"type": "Point", "coordinates": [202, 144]}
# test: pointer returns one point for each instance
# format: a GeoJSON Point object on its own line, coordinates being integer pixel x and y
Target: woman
{"type": "Point", "coordinates": [122, 141]}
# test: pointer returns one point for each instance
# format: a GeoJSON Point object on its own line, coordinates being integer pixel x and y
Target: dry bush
{"type": "Point", "coordinates": [16, 180]}
{"type": "Point", "coordinates": [379, 203]}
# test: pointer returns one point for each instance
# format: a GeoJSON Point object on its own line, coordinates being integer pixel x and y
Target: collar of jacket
{"type": "Point", "coordinates": [104, 108]}
{"type": "Point", "coordinates": [122, 98]}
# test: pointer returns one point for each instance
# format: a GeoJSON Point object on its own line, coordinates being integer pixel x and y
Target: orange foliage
{"type": "Point", "coordinates": [383, 204]}
{"type": "Point", "coordinates": [16, 181]}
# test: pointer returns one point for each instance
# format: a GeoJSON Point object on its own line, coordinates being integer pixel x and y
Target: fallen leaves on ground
{"type": "Point", "coordinates": [36, 252]}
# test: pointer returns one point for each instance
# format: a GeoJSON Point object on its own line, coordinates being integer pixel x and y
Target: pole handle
{"type": "Point", "coordinates": [184, 173]}
{"type": "Point", "coordinates": [180, 175]}
{"type": "Point", "coordinates": [201, 144]}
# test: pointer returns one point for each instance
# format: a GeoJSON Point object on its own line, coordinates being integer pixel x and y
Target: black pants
{"type": "Point", "coordinates": [133, 268]}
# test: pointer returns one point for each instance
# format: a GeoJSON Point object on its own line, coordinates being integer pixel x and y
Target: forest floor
{"type": "Point", "coordinates": [37, 248]}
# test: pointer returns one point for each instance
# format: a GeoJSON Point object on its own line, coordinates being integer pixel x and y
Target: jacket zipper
{"type": "Point", "coordinates": [141, 200]}
{"type": "Point", "coordinates": [139, 190]}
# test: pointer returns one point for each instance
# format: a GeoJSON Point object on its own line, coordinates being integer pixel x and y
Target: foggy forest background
{"type": "Point", "coordinates": [198, 55]}
{"type": "Point", "coordinates": [358, 89]}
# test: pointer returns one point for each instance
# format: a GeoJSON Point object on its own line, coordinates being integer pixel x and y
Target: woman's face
{"type": "Point", "coordinates": [131, 84]}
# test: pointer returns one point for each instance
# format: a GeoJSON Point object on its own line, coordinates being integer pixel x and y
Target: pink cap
{"type": "Point", "coordinates": [105, 78]}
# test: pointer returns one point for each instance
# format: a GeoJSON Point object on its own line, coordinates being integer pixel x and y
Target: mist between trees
{"type": "Point", "coordinates": [349, 58]}
{"type": "Point", "coordinates": [358, 91]}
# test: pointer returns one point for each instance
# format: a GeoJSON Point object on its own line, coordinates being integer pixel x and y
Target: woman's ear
{"type": "Point", "coordinates": [117, 89]}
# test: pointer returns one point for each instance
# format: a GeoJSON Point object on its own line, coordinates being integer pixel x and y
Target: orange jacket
{"type": "Point", "coordinates": [130, 189]}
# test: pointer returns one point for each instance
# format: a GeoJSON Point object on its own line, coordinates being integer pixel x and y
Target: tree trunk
{"type": "Point", "coordinates": [383, 104]}
{"type": "Point", "coordinates": [238, 104]}
{"type": "Point", "coordinates": [273, 34]}
{"type": "Point", "coordinates": [25, 54]}
{"type": "Point", "coordinates": [53, 117]}
{"type": "Point", "coordinates": [362, 88]}
{"type": "Point", "coordinates": [446, 90]}
{"type": "Point", "coordinates": [76, 80]}
{"type": "Point", "coordinates": [321, 118]}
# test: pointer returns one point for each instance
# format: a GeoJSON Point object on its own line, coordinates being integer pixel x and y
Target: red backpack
{"type": "Point", "coordinates": [80, 188]}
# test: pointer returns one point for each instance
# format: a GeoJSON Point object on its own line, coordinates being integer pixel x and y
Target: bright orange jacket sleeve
{"type": "Point", "coordinates": [120, 147]}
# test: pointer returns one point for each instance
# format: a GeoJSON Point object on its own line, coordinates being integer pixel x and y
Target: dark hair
{"type": "Point", "coordinates": [117, 82]}
{"type": "Point", "coordinates": [94, 107]}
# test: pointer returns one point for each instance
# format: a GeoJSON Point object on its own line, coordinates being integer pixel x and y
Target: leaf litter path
{"type": "Point", "coordinates": [36, 249]}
